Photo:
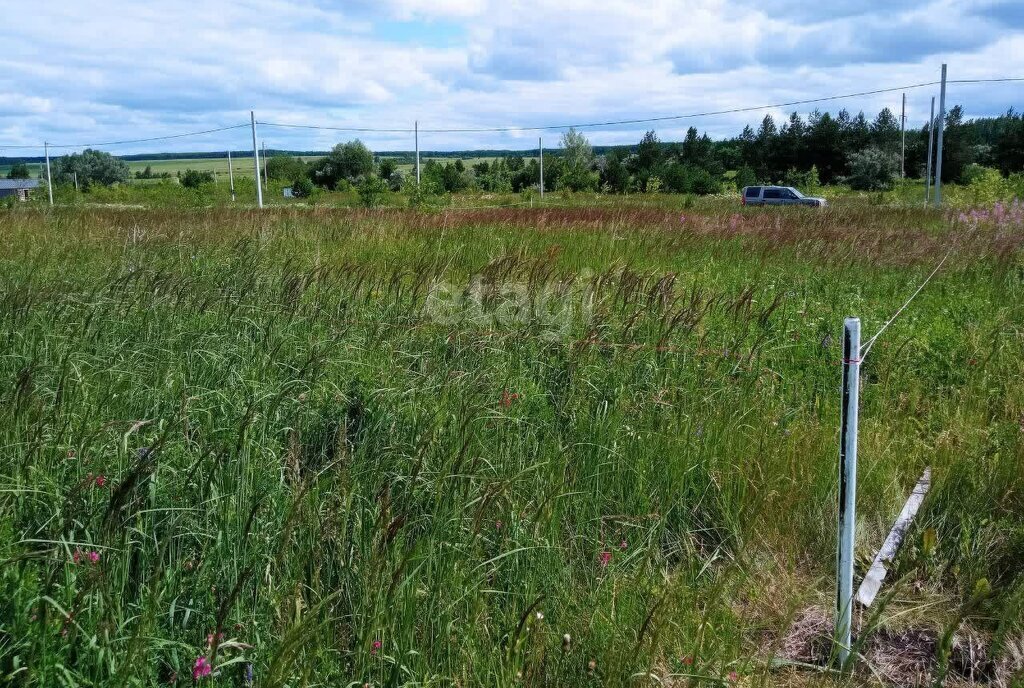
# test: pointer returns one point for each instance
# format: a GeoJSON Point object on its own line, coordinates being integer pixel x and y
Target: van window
{"type": "Point", "coordinates": [753, 191]}
{"type": "Point", "coordinates": [773, 193]}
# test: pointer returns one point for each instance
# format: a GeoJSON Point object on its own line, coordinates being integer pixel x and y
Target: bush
{"type": "Point", "coordinates": [372, 191]}
{"type": "Point", "coordinates": [745, 177]}
{"type": "Point", "coordinates": [302, 187]}
{"type": "Point", "coordinates": [193, 179]}
{"type": "Point", "coordinates": [873, 170]}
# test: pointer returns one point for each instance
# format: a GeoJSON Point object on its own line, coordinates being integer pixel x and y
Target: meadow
{"type": "Point", "coordinates": [581, 446]}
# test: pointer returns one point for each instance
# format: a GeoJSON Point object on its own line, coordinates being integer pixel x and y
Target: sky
{"type": "Point", "coordinates": [84, 71]}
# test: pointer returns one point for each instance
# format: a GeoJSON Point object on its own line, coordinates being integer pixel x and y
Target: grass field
{"type": "Point", "coordinates": [510, 447]}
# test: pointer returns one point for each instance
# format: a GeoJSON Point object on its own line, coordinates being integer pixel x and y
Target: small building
{"type": "Point", "coordinates": [18, 187]}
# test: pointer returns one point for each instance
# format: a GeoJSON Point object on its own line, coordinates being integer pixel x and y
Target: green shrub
{"type": "Point", "coordinates": [372, 192]}
{"type": "Point", "coordinates": [193, 179]}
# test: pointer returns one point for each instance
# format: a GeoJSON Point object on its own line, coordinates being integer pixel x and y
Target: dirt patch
{"type": "Point", "coordinates": [906, 656]}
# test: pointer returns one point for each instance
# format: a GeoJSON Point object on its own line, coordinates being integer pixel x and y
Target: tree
{"type": "Point", "coordinates": [957, 146]}
{"type": "Point", "coordinates": [615, 176]}
{"type": "Point", "coordinates": [286, 168]}
{"type": "Point", "coordinates": [19, 170]}
{"type": "Point", "coordinates": [91, 167]}
{"type": "Point", "coordinates": [349, 162]}
{"type": "Point", "coordinates": [577, 161]}
{"type": "Point", "coordinates": [386, 168]}
{"type": "Point", "coordinates": [885, 131]}
{"type": "Point", "coordinates": [873, 169]}
{"type": "Point", "coordinates": [648, 156]}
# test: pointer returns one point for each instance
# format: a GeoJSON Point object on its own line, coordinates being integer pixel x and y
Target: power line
{"type": "Point", "coordinates": [507, 129]}
{"type": "Point", "coordinates": [128, 141]}
{"type": "Point", "coordinates": [590, 125]}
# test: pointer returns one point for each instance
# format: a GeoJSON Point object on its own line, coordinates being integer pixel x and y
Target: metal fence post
{"type": "Point", "coordinates": [847, 487]}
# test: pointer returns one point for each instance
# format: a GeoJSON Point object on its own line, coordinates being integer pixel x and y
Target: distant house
{"type": "Point", "coordinates": [17, 187]}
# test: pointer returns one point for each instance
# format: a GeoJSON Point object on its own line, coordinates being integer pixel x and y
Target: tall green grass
{"type": "Point", "coordinates": [572, 448]}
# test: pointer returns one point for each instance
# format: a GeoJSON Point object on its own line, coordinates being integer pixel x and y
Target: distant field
{"type": "Point", "coordinates": [219, 166]}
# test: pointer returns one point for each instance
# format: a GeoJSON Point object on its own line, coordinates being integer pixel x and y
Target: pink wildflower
{"type": "Point", "coordinates": [605, 558]}
{"type": "Point", "coordinates": [733, 677]}
{"type": "Point", "coordinates": [101, 480]}
{"type": "Point", "coordinates": [77, 556]}
{"type": "Point", "coordinates": [202, 668]}
{"type": "Point", "coordinates": [376, 646]}
{"type": "Point", "coordinates": [687, 660]}
{"type": "Point", "coordinates": [623, 545]}
{"type": "Point", "coordinates": [94, 557]}
{"type": "Point", "coordinates": [507, 398]}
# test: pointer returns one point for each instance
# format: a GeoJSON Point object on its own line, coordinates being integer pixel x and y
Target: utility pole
{"type": "Point", "coordinates": [903, 138]}
{"type": "Point", "coordinates": [938, 143]}
{"type": "Point", "coordinates": [256, 160]}
{"type": "Point", "coordinates": [76, 181]}
{"type": "Point", "coordinates": [266, 173]}
{"type": "Point", "coordinates": [49, 180]}
{"type": "Point", "coordinates": [931, 138]}
{"type": "Point", "coordinates": [540, 146]}
{"type": "Point", "coordinates": [416, 129]}
{"type": "Point", "coordinates": [231, 177]}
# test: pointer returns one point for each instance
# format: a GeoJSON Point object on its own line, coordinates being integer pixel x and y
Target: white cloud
{"type": "Point", "coordinates": [124, 69]}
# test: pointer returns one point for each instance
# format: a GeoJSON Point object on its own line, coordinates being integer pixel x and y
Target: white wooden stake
{"type": "Point", "coordinates": [938, 141]}
{"type": "Point", "coordinates": [256, 161]}
{"type": "Point", "coordinates": [231, 177]}
{"type": "Point", "coordinates": [931, 139]}
{"type": "Point", "coordinates": [847, 487]}
{"type": "Point", "coordinates": [876, 574]}
{"type": "Point", "coordinates": [49, 180]}
{"type": "Point", "coordinates": [540, 145]}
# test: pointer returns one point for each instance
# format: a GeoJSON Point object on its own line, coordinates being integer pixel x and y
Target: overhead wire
{"type": "Point", "coordinates": [511, 128]}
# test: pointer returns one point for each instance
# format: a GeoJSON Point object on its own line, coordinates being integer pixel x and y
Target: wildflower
{"type": "Point", "coordinates": [376, 646]}
{"type": "Point", "coordinates": [623, 545]}
{"type": "Point", "coordinates": [687, 660]}
{"type": "Point", "coordinates": [682, 219]}
{"type": "Point", "coordinates": [507, 398]}
{"type": "Point", "coordinates": [540, 616]}
{"type": "Point", "coordinates": [77, 556]}
{"type": "Point", "coordinates": [101, 480]}
{"type": "Point", "coordinates": [94, 557]}
{"type": "Point", "coordinates": [202, 668]}
{"type": "Point", "coordinates": [566, 642]}
{"type": "Point", "coordinates": [302, 396]}
{"type": "Point", "coordinates": [498, 524]}
{"type": "Point", "coordinates": [605, 558]}
{"type": "Point", "coordinates": [591, 665]}
{"type": "Point", "coordinates": [209, 639]}
{"type": "Point", "coordinates": [733, 677]}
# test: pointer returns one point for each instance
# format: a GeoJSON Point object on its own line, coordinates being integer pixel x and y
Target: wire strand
{"type": "Point", "coordinates": [866, 346]}
{"type": "Point", "coordinates": [509, 128]}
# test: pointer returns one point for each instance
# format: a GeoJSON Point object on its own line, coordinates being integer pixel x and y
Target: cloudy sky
{"type": "Point", "coordinates": [91, 71]}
